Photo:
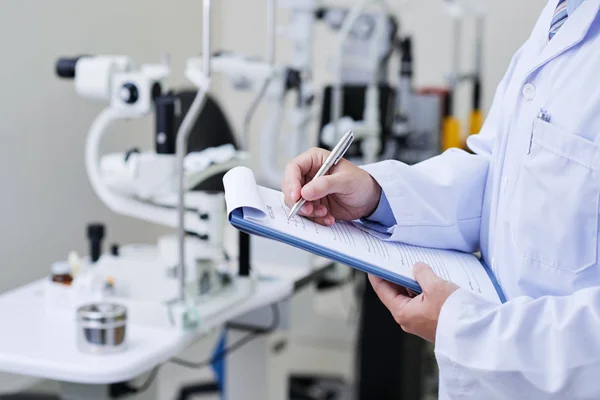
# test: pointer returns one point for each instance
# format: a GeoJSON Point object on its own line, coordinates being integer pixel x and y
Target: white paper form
{"type": "Point", "coordinates": [267, 208]}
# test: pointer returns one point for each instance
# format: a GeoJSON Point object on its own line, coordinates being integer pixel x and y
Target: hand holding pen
{"type": "Point", "coordinates": [340, 191]}
{"type": "Point", "coordinates": [336, 155]}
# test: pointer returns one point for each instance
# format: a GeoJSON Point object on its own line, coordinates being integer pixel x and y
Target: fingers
{"type": "Point", "coordinates": [394, 297]}
{"type": "Point", "coordinates": [313, 210]}
{"type": "Point", "coordinates": [321, 211]}
{"type": "Point", "coordinates": [425, 276]}
{"type": "Point", "coordinates": [307, 209]}
{"type": "Point", "coordinates": [326, 185]}
{"type": "Point", "coordinates": [291, 184]}
{"type": "Point", "coordinates": [307, 163]}
{"type": "Point", "coordinates": [317, 213]}
{"type": "Point", "coordinates": [311, 160]}
{"type": "Point", "coordinates": [326, 221]}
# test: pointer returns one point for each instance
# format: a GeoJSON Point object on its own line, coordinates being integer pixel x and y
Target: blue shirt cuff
{"type": "Point", "coordinates": [383, 214]}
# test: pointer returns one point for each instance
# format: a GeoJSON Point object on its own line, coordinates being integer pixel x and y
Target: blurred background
{"type": "Point", "coordinates": [47, 199]}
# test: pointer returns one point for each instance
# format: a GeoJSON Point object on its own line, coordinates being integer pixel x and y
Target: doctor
{"type": "Point", "coordinates": [528, 199]}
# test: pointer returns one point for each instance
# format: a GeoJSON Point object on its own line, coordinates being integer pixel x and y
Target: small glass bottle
{"type": "Point", "coordinates": [61, 273]}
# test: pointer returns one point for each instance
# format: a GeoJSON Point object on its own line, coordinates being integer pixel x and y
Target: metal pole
{"type": "Point", "coordinates": [271, 31]}
{"type": "Point", "coordinates": [457, 50]}
{"type": "Point", "coordinates": [182, 135]}
{"type": "Point", "coordinates": [206, 38]}
{"type": "Point", "coordinates": [271, 34]}
{"type": "Point", "coordinates": [337, 98]}
{"type": "Point", "coordinates": [479, 32]}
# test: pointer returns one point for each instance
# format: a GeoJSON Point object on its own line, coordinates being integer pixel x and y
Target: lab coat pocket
{"type": "Point", "coordinates": [554, 213]}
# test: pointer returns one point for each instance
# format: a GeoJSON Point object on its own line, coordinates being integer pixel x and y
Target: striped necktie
{"type": "Point", "coordinates": [560, 17]}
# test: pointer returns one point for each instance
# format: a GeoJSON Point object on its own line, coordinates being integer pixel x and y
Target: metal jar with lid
{"type": "Point", "coordinates": [101, 328]}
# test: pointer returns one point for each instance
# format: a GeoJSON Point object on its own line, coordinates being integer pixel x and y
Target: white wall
{"type": "Point", "coordinates": [46, 199]}
{"type": "Point", "coordinates": [509, 23]}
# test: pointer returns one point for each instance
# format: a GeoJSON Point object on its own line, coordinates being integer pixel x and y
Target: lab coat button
{"type": "Point", "coordinates": [529, 91]}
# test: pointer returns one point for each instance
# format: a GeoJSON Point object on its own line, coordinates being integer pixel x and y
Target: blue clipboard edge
{"type": "Point", "coordinates": [236, 219]}
{"type": "Point", "coordinates": [494, 281]}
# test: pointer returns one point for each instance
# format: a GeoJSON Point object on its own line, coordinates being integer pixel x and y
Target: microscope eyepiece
{"type": "Point", "coordinates": [65, 67]}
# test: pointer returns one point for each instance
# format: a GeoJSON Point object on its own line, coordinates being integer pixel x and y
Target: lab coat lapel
{"type": "Point", "coordinates": [571, 33]}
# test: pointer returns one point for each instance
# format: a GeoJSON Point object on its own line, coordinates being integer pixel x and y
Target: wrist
{"type": "Point", "coordinates": [375, 197]}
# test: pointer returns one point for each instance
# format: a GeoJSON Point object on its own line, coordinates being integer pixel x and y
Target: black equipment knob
{"type": "Point", "coordinates": [129, 93]}
{"type": "Point", "coordinates": [95, 234]}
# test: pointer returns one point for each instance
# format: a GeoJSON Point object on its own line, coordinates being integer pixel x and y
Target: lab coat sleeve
{"type": "Point", "coordinates": [382, 218]}
{"type": "Point", "coordinates": [383, 213]}
{"type": "Point", "coordinates": [438, 203]}
{"type": "Point", "coordinates": [547, 348]}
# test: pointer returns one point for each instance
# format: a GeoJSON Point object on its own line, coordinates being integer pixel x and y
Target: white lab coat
{"type": "Point", "coordinates": [529, 199]}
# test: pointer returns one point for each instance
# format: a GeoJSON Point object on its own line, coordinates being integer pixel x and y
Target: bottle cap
{"type": "Point", "coordinates": [61, 268]}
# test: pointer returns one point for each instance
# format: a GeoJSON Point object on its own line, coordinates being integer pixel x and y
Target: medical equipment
{"type": "Point", "coordinates": [365, 47]}
{"type": "Point", "coordinates": [300, 32]}
{"type": "Point", "coordinates": [365, 42]}
{"type": "Point", "coordinates": [452, 132]}
{"type": "Point", "coordinates": [417, 123]}
{"type": "Point", "coordinates": [101, 328]}
{"type": "Point", "coordinates": [158, 188]}
{"type": "Point", "coordinates": [271, 82]}
{"type": "Point", "coordinates": [405, 122]}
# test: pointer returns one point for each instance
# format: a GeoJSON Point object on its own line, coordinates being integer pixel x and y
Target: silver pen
{"type": "Point", "coordinates": [336, 155]}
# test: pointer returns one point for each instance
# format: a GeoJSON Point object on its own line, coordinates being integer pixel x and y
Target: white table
{"type": "Point", "coordinates": [40, 344]}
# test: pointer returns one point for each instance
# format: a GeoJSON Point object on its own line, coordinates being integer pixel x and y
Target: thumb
{"type": "Point", "coordinates": [425, 276]}
{"type": "Point", "coordinates": [324, 186]}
